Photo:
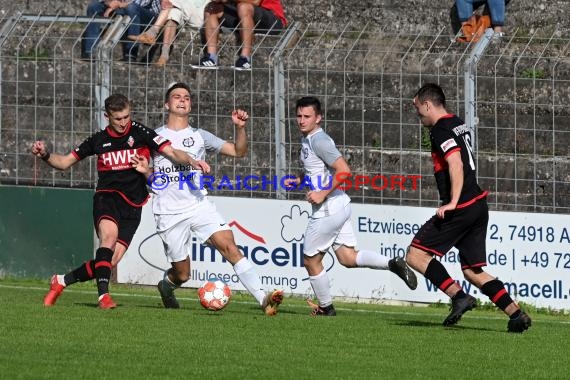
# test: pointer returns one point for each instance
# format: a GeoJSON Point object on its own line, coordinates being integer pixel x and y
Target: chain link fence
{"type": "Point", "coordinates": [365, 78]}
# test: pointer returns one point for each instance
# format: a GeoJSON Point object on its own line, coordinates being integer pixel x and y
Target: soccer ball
{"type": "Point", "coordinates": [214, 294]}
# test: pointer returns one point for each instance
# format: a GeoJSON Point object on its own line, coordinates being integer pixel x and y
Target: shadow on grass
{"type": "Point", "coordinates": [440, 326]}
{"type": "Point", "coordinates": [89, 304]}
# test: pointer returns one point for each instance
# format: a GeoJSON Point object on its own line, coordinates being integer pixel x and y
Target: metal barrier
{"type": "Point", "coordinates": [512, 90]}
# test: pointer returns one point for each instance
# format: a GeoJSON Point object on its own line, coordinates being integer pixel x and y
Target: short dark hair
{"type": "Point", "coordinates": [309, 101]}
{"type": "Point", "coordinates": [116, 102]}
{"type": "Point", "coordinates": [174, 87]}
{"type": "Point", "coordinates": [431, 92]}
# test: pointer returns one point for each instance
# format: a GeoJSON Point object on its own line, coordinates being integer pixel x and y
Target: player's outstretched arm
{"type": "Point", "coordinates": [181, 157]}
{"type": "Point", "coordinates": [56, 161]}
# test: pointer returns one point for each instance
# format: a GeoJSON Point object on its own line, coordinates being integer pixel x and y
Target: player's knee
{"type": "Point", "coordinates": [411, 255]}
{"type": "Point", "coordinates": [417, 259]}
{"type": "Point", "coordinates": [244, 9]}
{"type": "Point", "coordinates": [244, 5]}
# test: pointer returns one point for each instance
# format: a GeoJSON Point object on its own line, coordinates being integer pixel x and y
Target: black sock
{"type": "Point", "coordinates": [460, 294]}
{"type": "Point", "coordinates": [83, 273]}
{"type": "Point", "coordinates": [438, 275]}
{"type": "Point", "coordinates": [495, 290]}
{"type": "Point", "coordinates": [103, 266]}
{"type": "Point", "coordinates": [516, 314]}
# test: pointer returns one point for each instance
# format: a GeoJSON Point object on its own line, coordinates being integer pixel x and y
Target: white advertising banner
{"type": "Point", "coordinates": [530, 253]}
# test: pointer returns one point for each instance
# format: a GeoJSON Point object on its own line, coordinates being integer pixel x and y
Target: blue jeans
{"type": "Point", "coordinates": [140, 17]}
{"type": "Point", "coordinates": [496, 8]}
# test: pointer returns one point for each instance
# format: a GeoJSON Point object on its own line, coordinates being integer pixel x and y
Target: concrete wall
{"type": "Point", "coordinates": [404, 15]}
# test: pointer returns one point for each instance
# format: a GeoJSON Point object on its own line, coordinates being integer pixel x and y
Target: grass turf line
{"type": "Point", "coordinates": [141, 340]}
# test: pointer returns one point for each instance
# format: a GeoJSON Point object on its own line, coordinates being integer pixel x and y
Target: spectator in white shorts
{"type": "Point", "coordinates": [181, 209]}
{"type": "Point", "coordinates": [330, 223]}
{"type": "Point", "coordinates": [173, 13]}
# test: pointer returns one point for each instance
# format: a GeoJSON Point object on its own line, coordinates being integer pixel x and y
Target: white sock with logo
{"type": "Point", "coordinates": [322, 288]}
{"type": "Point", "coordinates": [371, 259]}
{"type": "Point", "coordinates": [250, 279]}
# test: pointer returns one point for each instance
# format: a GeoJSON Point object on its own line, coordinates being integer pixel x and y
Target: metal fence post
{"type": "Point", "coordinates": [279, 108]}
{"type": "Point", "coordinates": [104, 54]}
{"type": "Point", "coordinates": [470, 77]}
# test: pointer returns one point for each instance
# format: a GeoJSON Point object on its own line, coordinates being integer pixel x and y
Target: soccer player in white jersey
{"type": "Point", "coordinates": [330, 224]}
{"type": "Point", "coordinates": [182, 210]}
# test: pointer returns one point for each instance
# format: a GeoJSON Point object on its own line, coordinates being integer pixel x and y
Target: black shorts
{"type": "Point", "coordinates": [265, 21]}
{"type": "Point", "coordinates": [464, 228]}
{"type": "Point", "coordinates": [111, 206]}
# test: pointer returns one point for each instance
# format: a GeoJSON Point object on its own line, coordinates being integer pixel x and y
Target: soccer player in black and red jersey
{"type": "Point", "coordinates": [462, 219]}
{"type": "Point", "coordinates": [120, 194]}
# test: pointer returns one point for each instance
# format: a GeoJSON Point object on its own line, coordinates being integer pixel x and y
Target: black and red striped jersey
{"type": "Point", "coordinates": [450, 134]}
{"type": "Point", "coordinates": [114, 153]}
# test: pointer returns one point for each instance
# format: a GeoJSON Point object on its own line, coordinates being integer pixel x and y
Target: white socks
{"type": "Point", "coordinates": [371, 259]}
{"type": "Point", "coordinates": [322, 288]}
{"type": "Point", "coordinates": [250, 279]}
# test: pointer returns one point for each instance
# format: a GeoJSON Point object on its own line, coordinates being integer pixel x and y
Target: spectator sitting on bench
{"type": "Point", "coordinates": [471, 25]}
{"type": "Point", "coordinates": [173, 13]}
{"type": "Point", "coordinates": [250, 16]}
{"type": "Point", "coordinates": [141, 12]}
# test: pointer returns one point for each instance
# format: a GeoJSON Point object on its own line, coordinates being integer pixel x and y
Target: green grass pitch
{"type": "Point", "coordinates": [142, 340]}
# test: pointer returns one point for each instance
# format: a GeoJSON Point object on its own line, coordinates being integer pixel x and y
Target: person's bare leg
{"type": "Point", "coordinates": [212, 30]}
{"type": "Point", "coordinates": [245, 14]}
{"type": "Point", "coordinates": [149, 37]}
{"type": "Point", "coordinates": [168, 37]}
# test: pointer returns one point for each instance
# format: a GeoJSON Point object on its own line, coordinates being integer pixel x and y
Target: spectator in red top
{"type": "Point", "coordinates": [249, 17]}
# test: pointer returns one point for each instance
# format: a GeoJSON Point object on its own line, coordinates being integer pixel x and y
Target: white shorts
{"type": "Point", "coordinates": [333, 230]}
{"type": "Point", "coordinates": [188, 11]}
{"type": "Point", "coordinates": [176, 230]}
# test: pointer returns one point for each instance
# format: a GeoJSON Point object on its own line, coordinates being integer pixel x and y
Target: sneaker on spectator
{"type": "Point", "coordinates": [242, 64]}
{"type": "Point", "coordinates": [55, 290]}
{"type": "Point", "coordinates": [206, 62]}
{"type": "Point", "coordinates": [497, 37]}
{"type": "Point", "coordinates": [106, 302]}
